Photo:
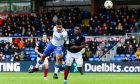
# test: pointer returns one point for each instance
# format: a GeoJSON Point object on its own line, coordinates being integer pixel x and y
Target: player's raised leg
{"type": "Point", "coordinates": [46, 53]}
{"type": "Point", "coordinates": [48, 50]}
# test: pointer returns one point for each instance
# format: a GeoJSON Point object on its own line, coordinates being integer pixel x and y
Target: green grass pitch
{"type": "Point", "coordinates": [74, 78]}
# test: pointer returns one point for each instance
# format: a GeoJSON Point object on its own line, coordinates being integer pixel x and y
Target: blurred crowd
{"type": "Point", "coordinates": [36, 25]}
{"type": "Point", "coordinates": [98, 48]}
{"type": "Point", "coordinates": [104, 22]}
{"type": "Point", "coordinates": [129, 47]}
{"type": "Point", "coordinates": [114, 22]}
{"type": "Point", "coordinates": [15, 51]}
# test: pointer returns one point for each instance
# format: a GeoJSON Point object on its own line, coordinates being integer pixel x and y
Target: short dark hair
{"type": "Point", "coordinates": [43, 35]}
{"type": "Point", "coordinates": [58, 23]}
{"type": "Point", "coordinates": [78, 25]}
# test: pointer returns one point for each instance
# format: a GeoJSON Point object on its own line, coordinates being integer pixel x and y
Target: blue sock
{"type": "Point", "coordinates": [39, 62]}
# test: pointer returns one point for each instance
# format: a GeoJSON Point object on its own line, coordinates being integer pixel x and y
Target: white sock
{"type": "Point", "coordinates": [37, 65]}
{"type": "Point", "coordinates": [57, 66]}
{"type": "Point", "coordinates": [65, 80]}
{"type": "Point", "coordinates": [56, 70]}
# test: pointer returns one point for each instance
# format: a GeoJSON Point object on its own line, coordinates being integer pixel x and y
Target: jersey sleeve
{"type": "Point", "coordinates": [37, 43]}
{"type": "Point", "coordinates": [54, 29]}
{"type": "Point", "coordinates": [67, 40]}
{"type": "Point", "coordinates": [66, 43]}
{"type": "Point", "coordinates": [65, 36]}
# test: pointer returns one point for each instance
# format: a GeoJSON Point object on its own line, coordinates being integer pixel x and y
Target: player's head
{"type": "Point", "coordinates": [77, 30]}
{"type": "Point", "coordinates": [59, 26]}
{"type": "Point", "coordinates": [44, 38]}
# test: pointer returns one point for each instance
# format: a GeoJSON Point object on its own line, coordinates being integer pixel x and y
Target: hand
{"type": "Point", "coordinates": [41, 55]}
{"type": "Point", "coordinates": [48, 57]}
{"type": "Point", "coordinates": [73, 47]}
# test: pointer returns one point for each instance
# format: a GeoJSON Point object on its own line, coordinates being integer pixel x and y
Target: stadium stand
{"type": "Point", "coordinates": [105, 23]}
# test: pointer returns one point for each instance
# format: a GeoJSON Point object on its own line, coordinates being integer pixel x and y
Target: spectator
{"type": "Point", "coordinates": [88, 53]}
{"type": "Point", "coordinates": [99, 52]}
{"type": "Point", "coordinates": [130, 50]}
{"type": "Point", "coordinates": [137, 54]}
{"type": "Point", "coordinates": [20, 45]}
{"type": "Point", "coordinates": [124, 51]}
{"type": "Point", "coordinates": [12, 58]}
{"type": "Point", "coordinates": [1, 47]}
{"type": "Point", "coordinates": [12, 49]}
{"type": "Point", "coordinates": [21, 56]}
{"type": "Point", "coordinates": [16, 40]}
{"type": "Point", "coordinates": [55, 18]}
{"type": "Point", "coordinates": [1, 56]}
{"type": "Point", "coordinates": [32, 43]}
{"type": "Point", "coordinates": [26, 43]}
{"type": "Point", "coordinates": [119, 49]}
{"type": "Point", "coordinates": [16, 49]}
{"type": "Point", "coordinates": [7, 58]}
{"type": "Point", "coordinates": [6, 49]}
{"type": "Point", "coordinates": [16, 57]}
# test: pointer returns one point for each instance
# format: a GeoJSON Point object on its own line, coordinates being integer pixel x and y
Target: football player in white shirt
{"type": "Point", "coordinates": [56, 45]}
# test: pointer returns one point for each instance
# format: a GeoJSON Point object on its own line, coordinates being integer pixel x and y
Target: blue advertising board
{"type": "Point", "coordinates": [89, 67]}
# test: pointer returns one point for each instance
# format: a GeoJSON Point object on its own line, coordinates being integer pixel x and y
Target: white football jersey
{"type": "Point", "coordinates": [59, 38]}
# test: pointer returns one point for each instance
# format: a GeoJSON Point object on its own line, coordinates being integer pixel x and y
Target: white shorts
{"type": "Point", "coordinates": [71, 56]}
{"type": "Point", "coordinates": [45, 61]}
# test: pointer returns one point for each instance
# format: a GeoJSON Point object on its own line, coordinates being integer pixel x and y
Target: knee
{"type": "Point", "coordinates": [46, 66]}
{"type": "Point", "coordinates": [43, 57]}
{"type": "Point", "coordinates": [58, 57]}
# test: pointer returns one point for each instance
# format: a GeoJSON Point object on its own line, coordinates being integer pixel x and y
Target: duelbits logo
{"type": "Point", "coordinates": [104, 67]}
{"type": "Point", "coordinates": [10, 67]}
